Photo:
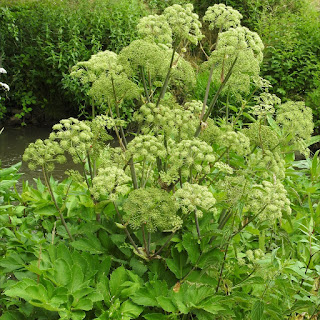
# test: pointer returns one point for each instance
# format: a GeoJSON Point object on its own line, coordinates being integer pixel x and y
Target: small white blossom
{"type": "Point", "coordinates": [4, 86]}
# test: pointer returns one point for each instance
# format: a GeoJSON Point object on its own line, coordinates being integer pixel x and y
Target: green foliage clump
{"type": "Point", "coordinates": [41, 41]}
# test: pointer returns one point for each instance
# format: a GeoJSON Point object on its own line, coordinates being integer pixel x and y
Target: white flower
{"type": "Point", "coordinates": [5, 86]}
{"type": "Point", "coordinates": [2, 70]}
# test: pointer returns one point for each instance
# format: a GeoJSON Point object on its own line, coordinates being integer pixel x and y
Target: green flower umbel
{"type": "Point", "coordinates": [152, 208]}
{"type": "Point", "coordinates": [43, 154]}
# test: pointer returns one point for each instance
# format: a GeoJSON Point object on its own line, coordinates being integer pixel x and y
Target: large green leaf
{"type": "Point", "coordinates": [191, 246]}
{"type": "Point", "coordinates": [90, 244]}
{"type": "Point", "coordinates": [62, 273]}
{"type": "Point", "coordinates": [117, 278]}
{"type": "Point", "coordinates": [257, 310]}
{"type": "Point", "coordinates": [130, 310]}
{"type": "Point", "coordinates": [147, 295]}
{"type": "Point", "coordinates": [178, 263]}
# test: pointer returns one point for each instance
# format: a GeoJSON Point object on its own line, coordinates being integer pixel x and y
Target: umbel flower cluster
{"type": "Point", "coordinates": [44, 153]}
{"type": "Point", "coordinates": [180, 163]}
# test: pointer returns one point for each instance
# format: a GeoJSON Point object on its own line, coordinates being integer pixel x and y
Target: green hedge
{"type": "Point", "coordinates": [41, 40]}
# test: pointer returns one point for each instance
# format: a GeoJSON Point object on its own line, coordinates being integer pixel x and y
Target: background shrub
{"type": "Point", "coordinates": [42, 40]}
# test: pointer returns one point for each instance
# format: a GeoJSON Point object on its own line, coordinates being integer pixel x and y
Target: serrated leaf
{"type": "Point", "coordinates": [90, 244]}
{"type": "Point", "coordinates": [117, 278]}
{"type": "Point", "coordinates": [178, 265]}
{"type": "Point", "coordinates": [130, 310]}
{"type": "Point", "coordinates": [84, 304]}
{"type": "Point", "coordinates": [62, 272]}
{"type": "Point", "coordinates": [77, 278]}
{"type": "Point", "coordinates": [257, 310]}
{"type": "Point", "coordinates": [147, 295]}
{"type": "Point", "coordinates": [166, 304]}
{"type": "Point", "coordinates": [191, 246]}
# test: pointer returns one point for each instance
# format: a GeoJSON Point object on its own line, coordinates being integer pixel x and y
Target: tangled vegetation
{"type": "Point", "coordinates": [190, 217]}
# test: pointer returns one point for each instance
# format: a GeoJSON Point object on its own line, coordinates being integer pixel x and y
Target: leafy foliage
{"type": "Point", "coordinates": [41, 41]}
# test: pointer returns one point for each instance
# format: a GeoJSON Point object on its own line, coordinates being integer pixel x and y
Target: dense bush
{"type": "Point", "coordinates": [192, 218]}
{"type": "Point", "coordinates": [41, 40]}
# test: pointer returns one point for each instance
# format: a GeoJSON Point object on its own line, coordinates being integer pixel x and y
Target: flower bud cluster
{"type": "Point", "coordinates": [234, 188]}
{"type": "Point", "coordinates": [223, 167]}
{"type": "Point", "coordinates": [221, 17]}
{"type": "Point", "coordinates": [295, 119]}
{"type": "Point", "coordinates": [111, 182]}
{"type": "Point", "coordinates": [266, 103]}
{"type": "Point", "coordinates": [184, 23]}
{"type": "Point", "coordinates": [174, 122]}
{"type": "Point", "coordinates": [155, 28]}
{"type": "Point", "coordinates": [150, 56]}
{"type": "Point", "coordinates": [183, 76]}
{"type": "Point", "coordinates": [266, 163]}
{"type": "Point", "coordinates": [195, 107]}
{"type": "Point", "coordinates": [210, 132]}
{"type": "Point", "coordinates": [113, 88]}
{"type": "Point", "coordinates": [43, 154]}
{"type": "Point", "coordinates": [89, 71]}
{"type": "Point", "coordinates": [269, 200]}
{"type": "Point", "coordinates": [190, 155]}
{"type": "Point", "coordinates": [109, 156]}
{"type": "Point", "coordinates": [74, 136]}
{"type": "Point", "coordinates": [242, 39]}
{"type": "Point", "coordinates": [100, 136]}
{"type": "Point", "coordinates": [195, 198]}
{"type": "Point", "coordinates": [239, 49]}
{"type": "Point", "coordinates": [153, 208]}
{"type": "Point", "coordinates": [261, 135]}
{"type": "Point", "coordinates": [147, 148]}
{"type": "Point", "coordinates": [253, 255]}
{"type": "Point", "coordinates": [235, 141]}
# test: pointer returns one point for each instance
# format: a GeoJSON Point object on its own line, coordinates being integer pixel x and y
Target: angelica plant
{"type": "Point", "coordinates": [202, 202]}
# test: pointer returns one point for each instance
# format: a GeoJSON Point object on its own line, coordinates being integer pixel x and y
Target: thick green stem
{"type": "Point", "coordinates": [90, 167]}
{"type": "Point", "coordinates": [166, 81]}
{"type": "Point", "coordinates": [145, 242]}
{"type": "Point", "coordinates": [55, 202]}
{"type": "Point", "coordinates": [215, 98]}
{"type": "Point", "coordinates": [197, 225]}
{"type": "Point", "coordinates": [225, 256]}
{"type": "Point", "coordinates": [144, 84]}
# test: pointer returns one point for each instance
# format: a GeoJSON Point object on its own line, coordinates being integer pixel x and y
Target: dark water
{"type": "Point", "coordinates": [13, 142]}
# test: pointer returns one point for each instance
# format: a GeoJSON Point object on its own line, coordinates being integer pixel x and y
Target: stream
{"type": "Point", "coordinates": [13, 142]}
